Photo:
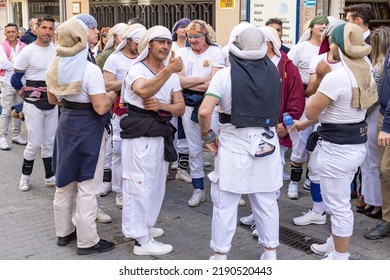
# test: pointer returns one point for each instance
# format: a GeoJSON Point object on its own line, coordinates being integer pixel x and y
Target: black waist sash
{"type": "Point", "coordinates": [343, 134]}
{"type": "Point", "coordinates": [41, 103]}
{"type": "Point", "coordinates": [144, 123]}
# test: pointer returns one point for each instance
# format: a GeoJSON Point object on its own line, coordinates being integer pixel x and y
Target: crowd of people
{"type": "Point", "coordinates": [117, 109]}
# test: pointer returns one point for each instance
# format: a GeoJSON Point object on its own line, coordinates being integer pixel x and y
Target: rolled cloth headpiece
{"type": "Point", "coordinates": [133, 32]}
{"type": "Point", "coordinates": [319, 19]}
{"type": "Point", "coordinates": [155, 32]}
{"type": "Point", "coordinates": [353, 51]}
{"type": "Point", "coordinates": [349, 37]}
{"type": "Point", "coordinates": [66, 72]}
{"type": "Point", "coordinates": [328, 32]}
{"type": "Point", "coordinates": [117, 29]}
{"type": "Point", "coordinates": [89, 20]}
{"type": "Point", "coordinates": [199, 26]}
{"type": "Point", "coordinates": [249, 42]}
{"type": "Point", "coordinates": [181, 23]}
{"type": "Point", "coordinates": [271, 35]}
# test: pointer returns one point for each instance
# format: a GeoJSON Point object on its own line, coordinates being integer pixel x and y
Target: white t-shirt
{"type": "Point", "coordinates": [301, 55]}
{"type": "Point", "coordinates": [118, 64]}
{"type": "Point", "coordinates": [198, 65]}
{"type": "Point", "coordinates": [140, 70]}
{"type": "Point", "coordinates": [337, 85]}
{"type": "Point", "coordinates": [7, 65]}
{"type": "Point", "coordinates": [93, 83]}
{"type": "Point", "coordinates": [35, 61]}
{"type": "Point", "coordinates": [221, 87]}
{"type": "Point", "coordinates": [323, 57]}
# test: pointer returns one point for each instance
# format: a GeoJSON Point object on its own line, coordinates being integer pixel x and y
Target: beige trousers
{"type": "Point", "coordinates": [86, 206]}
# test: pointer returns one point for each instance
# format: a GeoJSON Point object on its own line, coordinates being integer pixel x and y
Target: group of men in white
{"type": "Point", "coordinates": [228, 101]}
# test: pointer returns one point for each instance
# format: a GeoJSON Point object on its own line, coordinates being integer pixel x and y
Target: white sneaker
{"type": "Point", "coordinates": [241, 203]}
{"type": "Point", "coordinates": [255, 233]}
{"type": "Point", "coordinates": [103, 217]}
{"type": "Point", "coordinates": [286, 176]}
{"type": "Point", "coordinates": [106, 188]}
{"type": "Point", "coordinates": [4, 144]}
{"type": "Point", "coordinates": [206, 163]}
{"type": "Point", "coordinates": [19, 140]}
{"type": "Point", "coordinates": [51, 182]}
{"type": "Point", "coordinates": [323, 249]}
{"type": "Point", "coordinates": [292, 192]}
{"type": "Point", "coordinates": [183, 175]}
{"type": "Point", "coordinates": [332, 257]}
{"type": "Point", "coordinates": [152, 248]}
{"type": "Point", "coordinates": [198, 196]}
{"type": "Point", "coordinates": [119, 200]}
{"type": "Point", "coordinates": [156, 232]}
{"type": "Point", "coordinates": [175, 165]}
{"type": "Point", "coordinates": [218, 257]}
{"type": "Point", "coordinates": [268, 256]}
{"type": "Point", "coordinates": [247, 220]}
{"type": "Point", "coordinates": [24, 184]}
{"type": "Point", "coordinates": [306, 185]}
{"type": "Point", "coordinates": [310, 218]}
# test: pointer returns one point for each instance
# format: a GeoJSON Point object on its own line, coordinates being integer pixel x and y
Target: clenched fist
{"type": "Point", "coordinates": [175, 64]}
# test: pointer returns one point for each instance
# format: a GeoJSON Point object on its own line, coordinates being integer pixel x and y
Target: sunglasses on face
{"type": "Point", "coordinates": [195, 36]}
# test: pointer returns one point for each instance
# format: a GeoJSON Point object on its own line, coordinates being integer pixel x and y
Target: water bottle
{"type": "Point", "coordinates": [288, 122]}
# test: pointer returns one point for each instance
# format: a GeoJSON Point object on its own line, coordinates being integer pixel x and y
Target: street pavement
{"type": "Point", "coordinates": [27, 224]}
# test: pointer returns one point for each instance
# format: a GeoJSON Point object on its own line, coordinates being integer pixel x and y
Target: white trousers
{"type": "Point", "coordinates": [299, 152]}
{"type": "Point", "coordinates": [337, 165]}
{"type": "Point", "coordinates": [41, 128]}
{"type": "Point", "coordinates": [224, 221]}
{"type": "Point", "coordinates": [108, 153]}
{"type": "Point", "coordinates": [86, 206]}
{"type": "Point", "coordinates": [9, 98]}
{"type": "Point", "coordinates": [194, 140]}
{"type": "Point", "coordinates": [371, 184]}
{"type": "Point", "coordinates": [117, 181]}
{"type": "Point", "coordinates": [144, 182]}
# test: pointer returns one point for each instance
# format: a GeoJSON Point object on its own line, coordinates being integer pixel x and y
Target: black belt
{"type": "Point", "coordinates": [225, 118]}
{"type": "Point", "coordinates": [76, 105]}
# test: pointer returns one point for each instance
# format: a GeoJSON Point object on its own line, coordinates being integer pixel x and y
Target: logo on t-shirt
{"type": "Point", "coordinates": [206, 64]}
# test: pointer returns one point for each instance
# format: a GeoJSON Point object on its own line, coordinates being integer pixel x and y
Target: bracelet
{"type": "Point", "coordinates": [209, 137]}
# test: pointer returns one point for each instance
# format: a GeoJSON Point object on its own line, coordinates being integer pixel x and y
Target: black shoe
{"type": "Point", "coordinates": [381, 229]}
{"type": "Point", "coordinates": [365, 210]}
{"type": "Point", "coordinates": [63, 241]}
{"type": "Point", "coordinates": [100, 247]}
{"type": "Point", "coordinates": [377, 215]}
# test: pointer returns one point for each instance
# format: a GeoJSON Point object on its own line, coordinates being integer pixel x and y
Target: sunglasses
{"type": "Point", "coordinates": [195, 36]}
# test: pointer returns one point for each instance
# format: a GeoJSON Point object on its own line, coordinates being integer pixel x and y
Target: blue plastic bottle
{"type": "Point", "coordinates": [288, 122]}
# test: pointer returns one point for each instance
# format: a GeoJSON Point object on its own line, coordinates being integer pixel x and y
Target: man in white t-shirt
{"type": "Point", "coordinates": [9, 50]}
{"type": "Point", "coordinates": [340, 105]}
{"type": "Point", "coordinates": [301, 55]}
{"type": "Point", "coordinates": [247, 148]}
{"type": "Point", "coordinates": [78, 167]}
{"type": "Point", "coordinates": [115, 70]}
{"type": "Point", "coordinates": [202, 59]}
{"type": "Point", "coordinates": [152, 94]}
{"type": "Point", "coordinates": [40, 116]}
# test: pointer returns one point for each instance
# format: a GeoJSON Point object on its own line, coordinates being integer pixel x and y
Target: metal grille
{"type": "Point", "coordinates": [295, 239]}
{"type": "Point", "coordinates": [160, 12]}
